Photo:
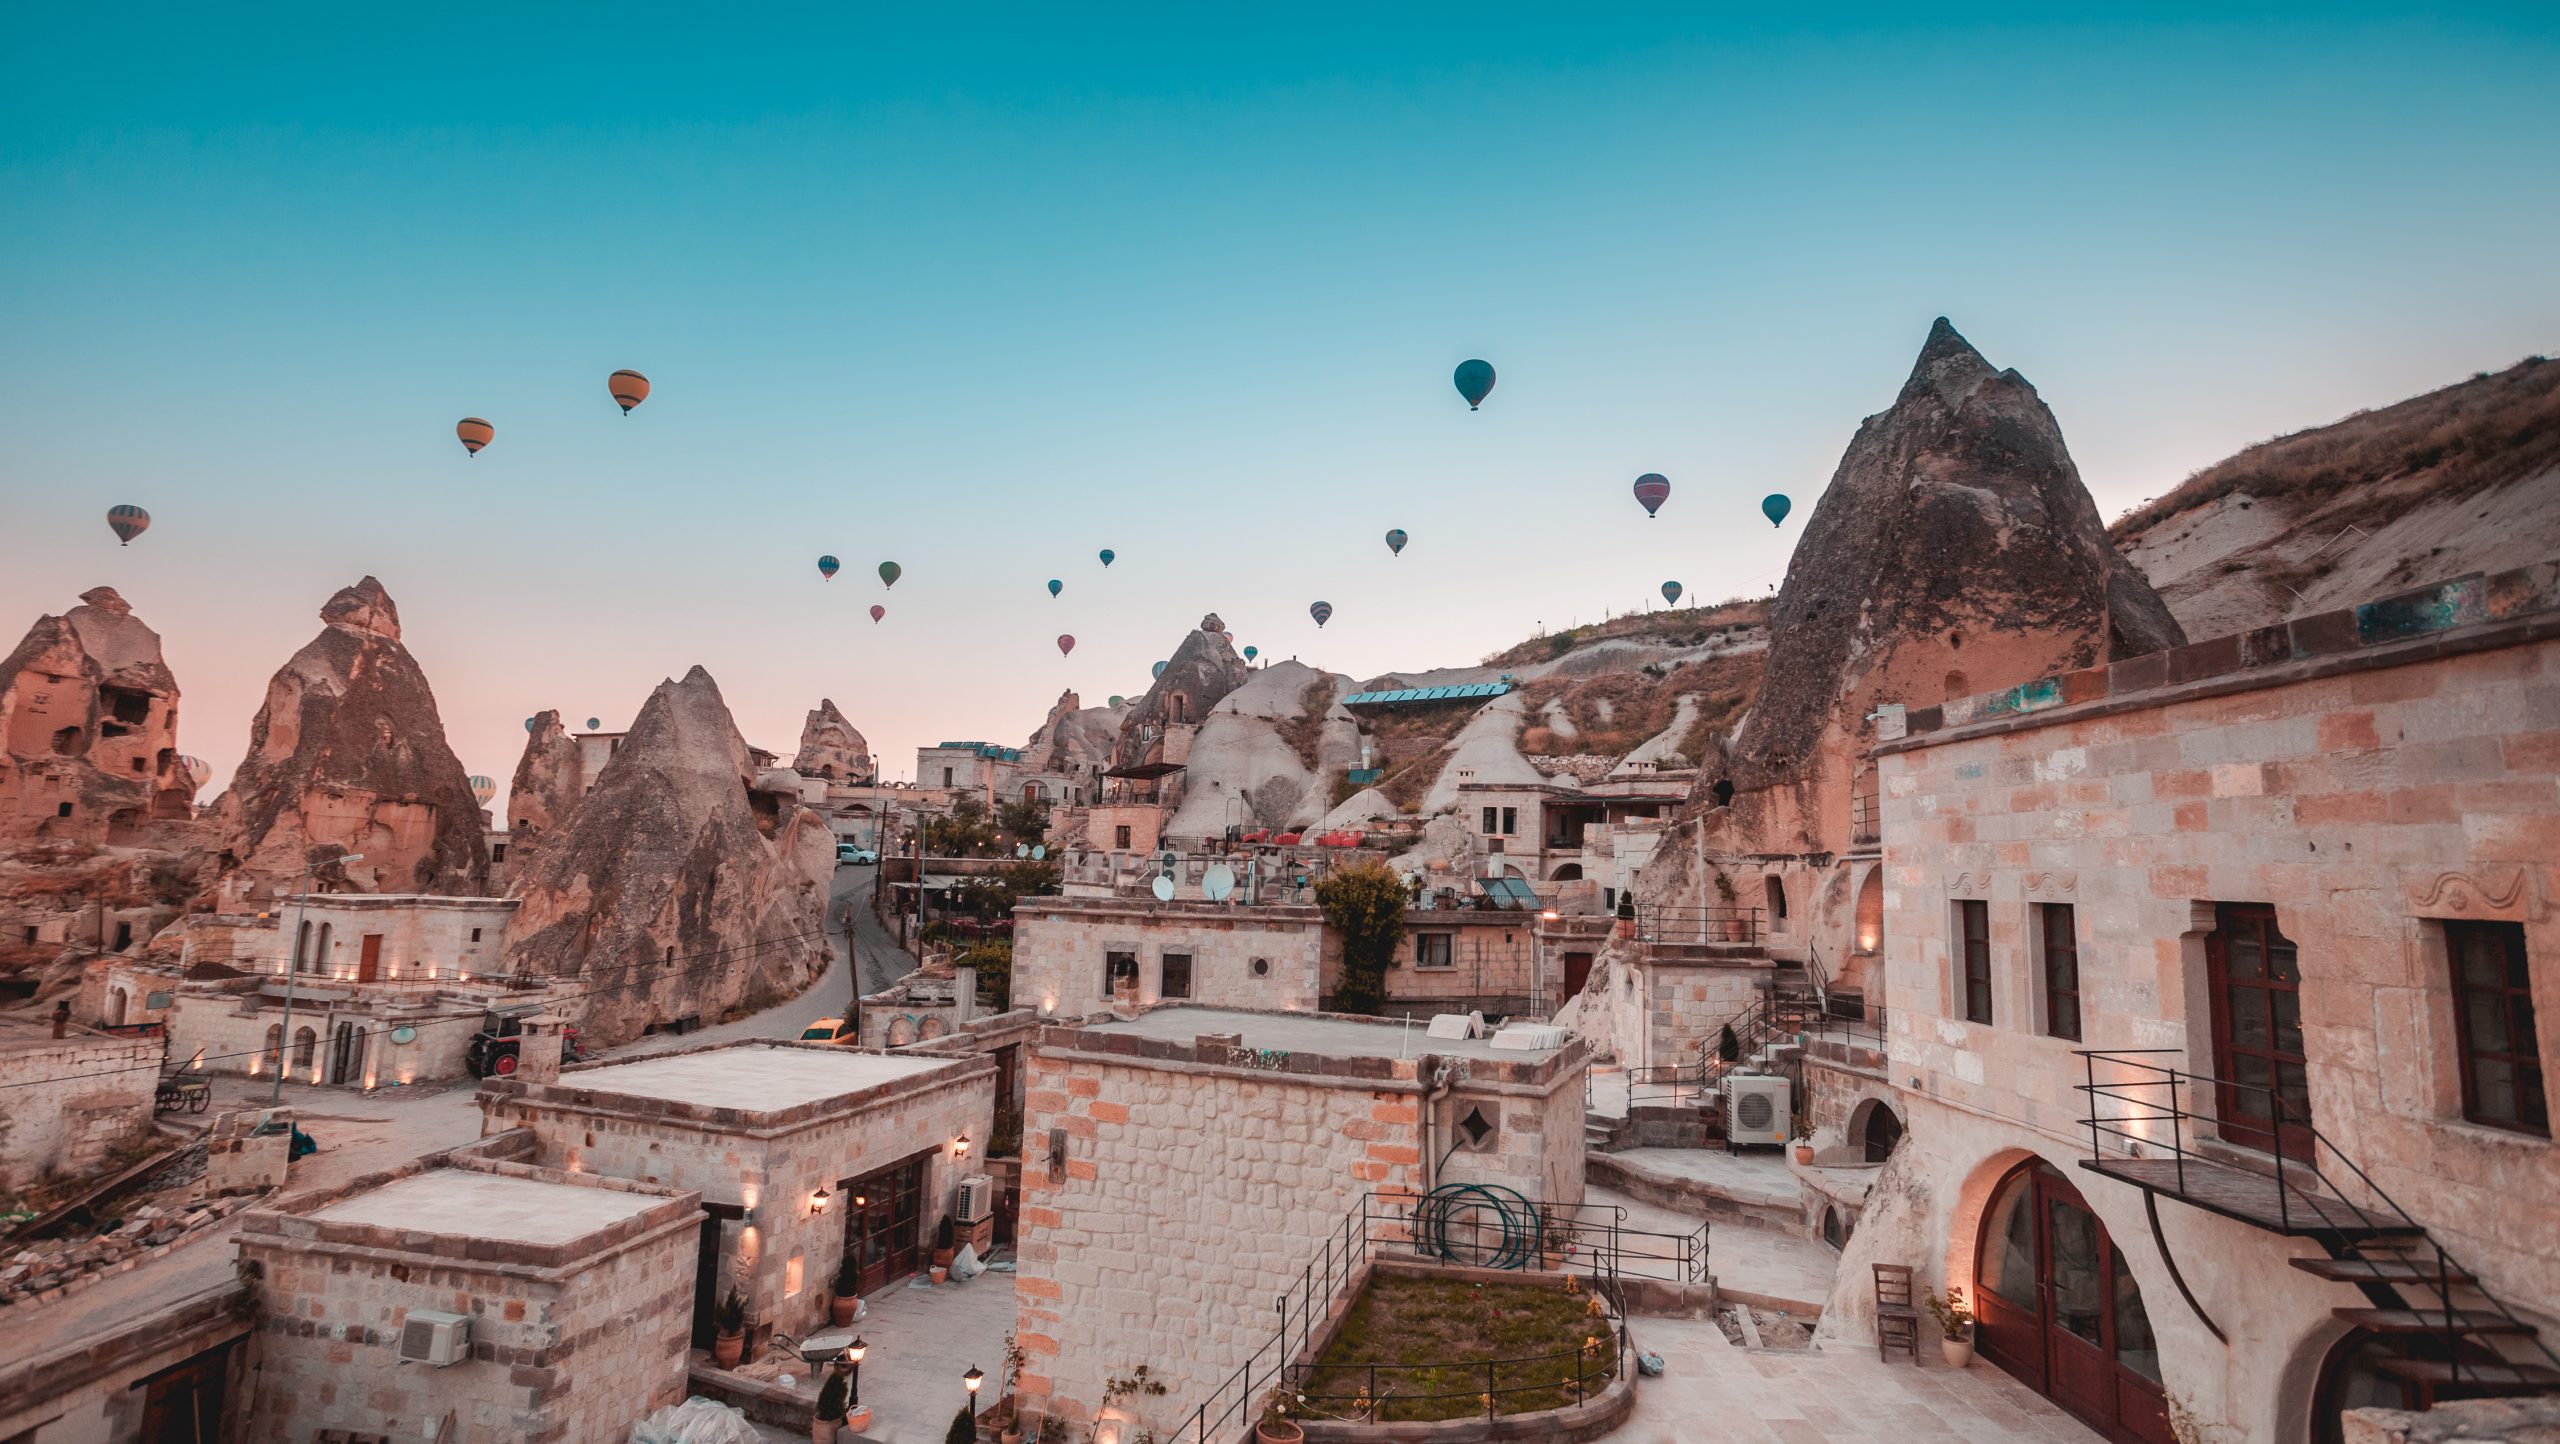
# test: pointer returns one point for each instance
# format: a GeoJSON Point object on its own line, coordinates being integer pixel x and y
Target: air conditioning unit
{"type": "Point", "coordinates": [433, 1337]}
{"type": "Point", "coordinates": [1756, 1111]}
{"type": "Point", "coordinates": [977, 1198]}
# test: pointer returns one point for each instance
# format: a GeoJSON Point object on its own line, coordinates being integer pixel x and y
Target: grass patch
{"type": "Point", "coordinates": [1429, 1340]}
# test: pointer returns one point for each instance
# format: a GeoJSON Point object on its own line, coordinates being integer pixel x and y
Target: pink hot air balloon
{"type": "Point", "coordinates": [1653, 490]}
{"type": "Point", "coordinates": [1066, 644]}
{"type": "Point", "coordinates": [878, 611]}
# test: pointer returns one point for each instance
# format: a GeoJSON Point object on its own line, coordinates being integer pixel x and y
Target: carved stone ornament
{"type": "Point", "coordinates": [2491, 892]}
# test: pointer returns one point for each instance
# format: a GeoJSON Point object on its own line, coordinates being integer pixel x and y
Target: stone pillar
{"type": "Point", "coordinates": [964, 994]}
{"type": "Point", "coordinates": [538, 1048]}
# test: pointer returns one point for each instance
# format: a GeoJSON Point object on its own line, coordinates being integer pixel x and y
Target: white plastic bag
{"type": "Point", "coordinates": [696, 1421]}
{"type": "Point", "coordinates": [965, 1265]}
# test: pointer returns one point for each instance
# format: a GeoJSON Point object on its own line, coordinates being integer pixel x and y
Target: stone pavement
{"type": "Point", "coordinates": [1712, 1389]}
{"type": "Point", "coordinates": [1756, 1261]}
{"type": "Point", "coordinates": [921, 1341]}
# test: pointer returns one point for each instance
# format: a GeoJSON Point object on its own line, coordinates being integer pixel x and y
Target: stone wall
{"type": "Point", "coordinates": [1493, 956]}
{"type": "Point", "coordinates": [1059, 946]}
{"type": "Point", "coordinates": [93, 1389]}
{"type": "Point", "coordinates": [72, 1103]}
{"type": "Point", "coordinates": [423, 938]}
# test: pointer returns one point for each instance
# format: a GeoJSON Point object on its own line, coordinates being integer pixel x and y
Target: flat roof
{"type": "Point", "coordinates": [1406, 696]}
{"type": "Point", "coordinates": [470, 1204]}
{"type": "Point", "coordinates": [1329, 1035]}
{"type": "Point", "coordinates": [751, 1077]}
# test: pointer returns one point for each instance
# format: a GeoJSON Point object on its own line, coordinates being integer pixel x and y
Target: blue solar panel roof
{"type": "Point", "coordinates": [1426, 694]}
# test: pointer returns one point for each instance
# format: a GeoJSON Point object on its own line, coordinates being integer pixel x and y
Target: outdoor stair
{"type": "Point", "coordinates": [2428, 1321]}
{"type": "Point", "coordinates": [1599, 1130]}
{"type": "Point", "coordinates": [2377, 1271]}
{"type": "Point", "coordinates": [2519, 1378]}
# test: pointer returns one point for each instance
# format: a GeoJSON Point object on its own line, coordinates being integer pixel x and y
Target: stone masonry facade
{"type": "Point", "coordinates": [1260, 957]}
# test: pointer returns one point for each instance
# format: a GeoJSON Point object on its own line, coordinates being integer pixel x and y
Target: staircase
{"type": "Point", "coordinates": [2456, 1340]}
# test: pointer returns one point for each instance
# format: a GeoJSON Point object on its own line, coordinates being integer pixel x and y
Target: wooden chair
{"type": "Point", "coordinates": [1897, 1318]}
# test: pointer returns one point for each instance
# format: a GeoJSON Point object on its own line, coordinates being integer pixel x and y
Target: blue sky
{"type": "Point", "coordinates": [987, 291]}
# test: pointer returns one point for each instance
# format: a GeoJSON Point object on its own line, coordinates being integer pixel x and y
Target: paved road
{"type": "Point", "coordinates": [871, 950]}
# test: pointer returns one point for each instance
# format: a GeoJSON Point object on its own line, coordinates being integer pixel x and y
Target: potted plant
{"type": "Point", "coordinates": [1804, 1139]}
{"type": "Point", "coordinates": [830, 1416]}
{"type": "Point", "coordinates": [1275, 1426]}
{"type": "Point", "coordinates": [1011, 1405]}
{"type": "Point", "coordinates": [846, 1301]}
{"type": "Point", "coordinates": [945, 1240]}
{"type": "Point", "coordinates": [1955, 1322]}
{"type": "Point", "coordinates": [1556, 1245]}
{"type": "Point", "coordinates": [729, 1329]}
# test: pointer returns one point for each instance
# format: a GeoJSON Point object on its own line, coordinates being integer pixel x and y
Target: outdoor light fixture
{"type": "Point", "coordinates": [970, 1381]}
{"type": "Point", "coordinates": [817, 1201]}
{"type": "Point", "coordinates": [1550, 915]}
{"type": "Point", "coordinates": [960, 1149]}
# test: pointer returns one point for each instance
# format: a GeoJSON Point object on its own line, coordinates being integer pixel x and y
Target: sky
{"type": "Point", "coordinates": [986, 290]}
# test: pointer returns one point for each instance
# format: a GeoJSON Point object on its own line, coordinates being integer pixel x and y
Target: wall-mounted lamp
{"type": "Point", "coordinates": [1550, 915]}
{"type": "Point", "coordinates": [960, 1149]}
{"type": "Point", "coordinates": [817, 1201]}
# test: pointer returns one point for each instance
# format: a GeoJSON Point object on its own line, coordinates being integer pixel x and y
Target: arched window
{"type": "Point", "coordinates": [1776, 893]}
{"type": "Point", "coordinates": [1870, 922]}
{"type": "Point", "coordinates": [115, 1007]}
{"type": "Point", "coordinates": [274, 1057]}
{"type": "Point", "coordinates": [306, 1045]}
{"type": "Point", "coordinates": [320, 951]}
{"type": "Point", "coordinates": [302, 947]}
{"type": "Point", "coordinates": [1832, 1233]}
{"type": "Point", "coordinates": [1883, 1133]}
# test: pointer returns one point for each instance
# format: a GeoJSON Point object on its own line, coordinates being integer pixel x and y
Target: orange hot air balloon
{"type": "Point", "coordinates": [475, 433]}
{"type": "Point", "coordinates": [629, 388]}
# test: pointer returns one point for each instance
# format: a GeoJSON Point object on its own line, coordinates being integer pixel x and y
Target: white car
{"type": "Point", "coordinates": [859, 856]}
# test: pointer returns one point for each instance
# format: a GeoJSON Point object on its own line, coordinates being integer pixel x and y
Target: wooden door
{"type": "Point", "coordinates": [706, 1280]}
{"type": "Point", "coordinates": [883, 1223]}
{"type": "Point", "coordinates": [346, 1054]}
{"type": "Point", "coordinates": [1577, 971]}
{"type": "Point", "coordinates": [2081, 1376]}
{"type": "Point", "coordinates": [2059, 1309]}
{"type": "Point", "coordinates": [369, 961]}
{"type": "Point", "coordinates": [2256, 977]}
{"type": "Point", "coordinates": [183, 1405]}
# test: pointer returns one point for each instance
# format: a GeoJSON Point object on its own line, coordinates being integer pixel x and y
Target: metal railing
{"type": "Point", "coordinates": [1459, 1231]}
{"type": "Point", "coordinates": [1700, 925]}
{"type": "Point", "coordinates": [2157, 1094]}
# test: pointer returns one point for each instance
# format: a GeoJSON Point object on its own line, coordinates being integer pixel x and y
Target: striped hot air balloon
{"type": "Point", "coordinates": [1671, 593]}
{"type": "Point", "coordinates": [127, 522]}
{"type": "Point", "coordinates": [827, 567]}
{"type": "Point", "coordinates": [629, 389]}
{"type": "Point", "coordinates": [1395, 541]}
{"type": "Point", "coordinates": [198, 771]}
{"type": "Point", "coordinates": [595, 724]}
{"type": "Point", "coordinates": [475, 433]}
{"type": "Point", "coordinates": [1653, 489]}
{"type": "Point", "coordinates": [482, 788]}
{"type": "Point", "coordinates": [1322, 612]}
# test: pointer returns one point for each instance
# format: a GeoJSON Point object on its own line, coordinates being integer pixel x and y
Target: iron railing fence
{"type": "Point", "coordinates": [2158, 1094]}
{"type": "Point", "coordinates": [1697, 925]}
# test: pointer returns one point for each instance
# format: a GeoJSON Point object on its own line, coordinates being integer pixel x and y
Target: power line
{"type": "Point", "coordinates": [662, 967]}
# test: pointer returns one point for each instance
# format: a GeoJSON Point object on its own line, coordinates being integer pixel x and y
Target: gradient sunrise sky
{"type": "Point", "coordinates": [987, 291]}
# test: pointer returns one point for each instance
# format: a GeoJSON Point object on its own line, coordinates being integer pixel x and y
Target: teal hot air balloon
{"type": "Point", "coordinates": [828, 567]}
{"type": "Point", "coordinates": [127, 522]}
{"type": "Point", "coordinates": [1159, 671]}
{"type": "Point", "coordinates": [1056, 586]}
{"type": "Point", "coordinates": [1322, 612]}
{"type": "Point", "coordinates": [1109, 556]}
{"type": "Point", "coordinates": [1117, 699]}
{"type": "Point", "coordinates": [531, 723]}
{"type": "Point", "coordinates": [1775, 507]}
{"type": "Point", "coordinates": [1395, 541]}
{"type": "Point", "coordinates": [595, 724]}
{"type": "Point", "coordinates": [890, 572]}
{"type": "Point", "coordinates": [1671, 593]}
{"type": "Point", "coordinates": [1475, 382]}
{"type": "Point", "coordinates": [482, 788]}
{"type": "Point", "coordinates": [1652, 490]}
{"type": "Point", "coordinates": [1250, 654]}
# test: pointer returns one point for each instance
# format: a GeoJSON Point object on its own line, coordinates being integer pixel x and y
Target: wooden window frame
{"type": "Point", "coordinates": [1970, 951]}
{"type": "Point", "coordinates": [2062, 1015]}
{"type": "Point", "coordinates": [2517, 1001]}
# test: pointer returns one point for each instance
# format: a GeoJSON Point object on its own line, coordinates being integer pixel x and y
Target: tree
{"type": "Point", "coordinates": [964, 1428]}
{"type": "Point", "coordinates": [1364, 903]}
{"type": "Point", "coordinates": [963, 832]}
{"type": "Point", "coordinates": [1024, 819]}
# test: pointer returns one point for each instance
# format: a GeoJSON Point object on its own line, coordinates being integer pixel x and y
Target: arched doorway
{"type": "Point", "coordinates": [1870, 921]}
{"type": "Point", "coordinates": [2060, 1310]}
{"type": "Point", "coordinates": [1566, 872]}
{"type": "Point", "coordinates": [1774, 893]}
{"type": "Point", "coordinates": [1876, 1130]}
{"type": "Point", "coordinates": [115, 1007]}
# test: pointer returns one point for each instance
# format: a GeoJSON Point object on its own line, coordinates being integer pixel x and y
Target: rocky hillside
{"type": "Point", "coordinates": [2459, 480]}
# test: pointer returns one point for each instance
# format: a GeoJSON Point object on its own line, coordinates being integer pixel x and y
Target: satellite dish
{"type": "Point", "coordinates": [404, 1034]}
{"type": "Point", "coordinates": [1163, 888]}
{"type": "Point", "coordinates": [1218, 881]}
{"type": "Point", "coordinates": [1039, 850]}
{"type": "Point", "coordinates": [1022, 849]}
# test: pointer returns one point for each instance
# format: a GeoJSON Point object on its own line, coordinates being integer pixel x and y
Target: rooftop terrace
{"type": "Point", "coordinates": [470, 1204]}
{"type": "Point", "coordinates": [1322, 1034]}
{"type": "Point", "coordinates": [751, 1077]}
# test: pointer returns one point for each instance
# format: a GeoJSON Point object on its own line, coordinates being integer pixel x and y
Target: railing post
{"type": "Point", "coordinates": [1489, 1405]}
{"type": "Point", "coordinates": [2177, 1132]}
{"type": "Point", "coordinates": [2284, 1209]}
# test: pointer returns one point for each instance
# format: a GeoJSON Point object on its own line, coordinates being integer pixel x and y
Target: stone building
{"type": "Point", "coordinates": [1073, 955]}
{"type": "Point", "coordinates": [577, 1291]}
{"type": "Point", "coordinates": [801, 1154]}
{"type": "Point", "coordinates": [1183, 1166]}
{"type": "Point", "coordinates": [89, 729]}
{"type": "Point", "coordinates": [71, 1103]}
{"type": "Point", "coordinates": [2284, 899]}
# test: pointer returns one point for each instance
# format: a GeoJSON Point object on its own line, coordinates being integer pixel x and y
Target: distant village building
{"type": "Point", "coordinates": [71, 1102]}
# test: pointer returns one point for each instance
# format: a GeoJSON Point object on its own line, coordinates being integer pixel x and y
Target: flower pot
{"type": "Point", "coordinates": [843, 1307]}
{"type": "Point", "coordinates": [726, 1349]}
{"type": "Point", "coordinates": [1804, 1153]}
{"type": "Point", "coordinates": [858, 1418]}
{"type": "Point", "coordinates": [942, 1257]}
{"type": "Point", "coordinates": [823, 1431]}
{"type": "Point", "coordinates": [1011, 1433]}
{"type": "Point", "coordinates": [1278, 1431]}
{"type": "Point", "coordinates": [1959, 1352]}
{"type": "Point", "coordinates": [939, 1273]}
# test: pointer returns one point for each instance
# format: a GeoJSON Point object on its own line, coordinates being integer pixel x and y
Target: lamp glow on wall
{"type": "Point", "coordinates": [817, 1202]}
{"type": "Point", "coordinates": [960, 1149]}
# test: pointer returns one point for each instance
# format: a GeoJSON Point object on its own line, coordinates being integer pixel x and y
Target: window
{"type": "Point", "coordinates": [1492, 821]}
{"type": "Point", "coordinates": [794, 1274]}
{"type": "Point", "coordinates": [1120, 837]}
{"type": "Point", "coordinates": [1973, 958]}
{"type": "Point", "coordinates": [1176, 976]}
{"type": "Point", "coordinates": [2057, 929]}
{"type": "Point", "coordinates": [63, 810]}
{"type": "Point", "coordinates": [475, 935]}
{"type": "Point", "coordinates": [1775, 892]}
{"type": "Point", "coordinates": [1117, 966]}
{"type": "Point", "coordinates": [1434, 950]}
{"type": "Point", "coordinates": [946, 777]}
{"type": "Point", "coordinates": [306, 1044]}
{"type": "Point", "coordinates": [498, 852]}
{"type": "Point", "coordinates": [1510, 821]}
{"type": "Point", "coordinates": [2494, 1024]}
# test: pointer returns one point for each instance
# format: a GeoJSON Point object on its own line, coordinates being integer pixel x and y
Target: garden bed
{"type": "Point", "coordinates": [1418, 1348]}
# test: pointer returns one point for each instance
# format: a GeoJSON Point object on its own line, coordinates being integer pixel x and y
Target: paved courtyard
{"type": "Point", "coordinates": [1714, 1389]}
{"type": "Point", "coordinates": [921, 1341]}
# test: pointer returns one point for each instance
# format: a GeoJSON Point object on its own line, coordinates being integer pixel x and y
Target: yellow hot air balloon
{"type": "Point", "coordinates": [475, 433]}
{"type": "Point", "coordinates": [629, 389]}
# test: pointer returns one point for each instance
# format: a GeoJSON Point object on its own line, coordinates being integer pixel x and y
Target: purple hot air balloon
{"type": "Point", "coordinates": [1322, 612]}
{"type": "Point", "coordinates": [1653, 489]}
{"type": "Point", "coordinates": [878, 611]}
{"type": "Point", "coordinates": [1066, 644]}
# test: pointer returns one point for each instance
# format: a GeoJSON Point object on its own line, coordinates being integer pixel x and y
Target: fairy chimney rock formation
{"type": "Point", "coordinates": [680, 889]}
{"type": "Point", "coordinates": [1954, 552]}
{"type": "Point", "coordinates": [348, 755]}
{"type": "Point", "coordinates": [89, 729]}
{"type": "Point", "coordinates": [832, 749]}
{"type": "Point", "coordinates": [546, 788]}
{"type": "Point", "coordinates": [1197, 677]}
{"type": "Point", "coordinates": [1073, 739]}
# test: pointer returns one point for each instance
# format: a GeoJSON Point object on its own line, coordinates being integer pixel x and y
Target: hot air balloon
{"type": "Point", "coordinates": [1395, 541]}
{"type": "Point", "coordinates": [1108, 555]}
{"type": "Point", "coordinates": [629, 389]}
{"type": "Point", "coordinates": [1775, 507]}
{"type": "Point", "coordinates": [1066, 644]}
{"type": "Point", "coordinates": [1250, 654]}
{"type": "Point", "coordinates": [890, 572]}
{"type": "Point", "coordinates": [1475, 382]}
{"type": "Point", "coordinates": [127, 522]}
{"type": "Point", "coordinates": [877, 612]}
{"type": "Point", "coordinates": [1322, 612]}
{"type": "Point", "coordinates": [595, 724]}
{"type": "Point", "coordinates": [1056, 586]}
{"type": "Point", "coordinates": [1671, 593]}
{"type": "Point", "coordinates": [532, 722]}
{"type": "Point", "coordinates": [475, 433]}
{"type": "Point", "coordinates": [1117, 699]}
{"type": "Point", "coordinates": [482, 788]}
{"type": "Point", "coordinates": [1653, 489]}
{"type": "Point", "coordinates": [828, 566]}
{"type": "Point", "coordinates": [1159, 670]}
{"type": "Point", "coordinates": [196, 769]}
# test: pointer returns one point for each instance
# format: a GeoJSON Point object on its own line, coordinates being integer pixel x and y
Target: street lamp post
{"type": "Point", "coordinates": [293, 965]}
{"type": "Point", "coordinates": [853, 1381]}
{"type": "Point", "coordinates": [970, 1381]}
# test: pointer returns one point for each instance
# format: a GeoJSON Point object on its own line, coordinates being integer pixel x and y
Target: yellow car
{"type": "Point", "coordinates": [832, 1030]}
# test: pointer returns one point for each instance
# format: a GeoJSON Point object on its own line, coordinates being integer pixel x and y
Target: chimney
{"type": "Point", "coordinates": [538, 1049]}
